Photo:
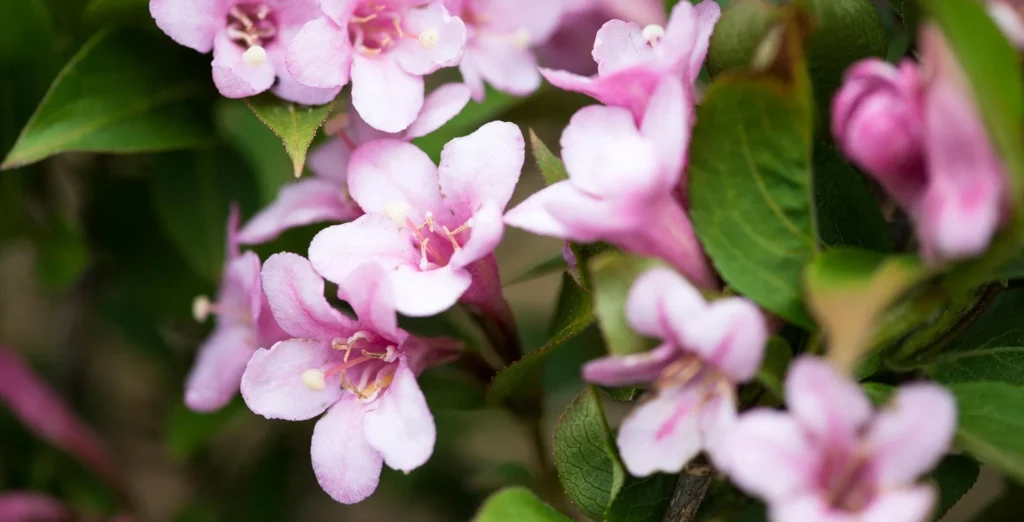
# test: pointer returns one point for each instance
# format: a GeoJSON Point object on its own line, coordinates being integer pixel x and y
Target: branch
{"type": "Point", "coordinates": [690, 490]}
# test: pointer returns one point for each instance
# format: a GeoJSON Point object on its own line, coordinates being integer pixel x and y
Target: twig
{"type": "Point", "coordinates": [690, 490]}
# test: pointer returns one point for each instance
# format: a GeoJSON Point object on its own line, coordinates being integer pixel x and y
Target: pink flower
{"type": "Point", "coordinates": [569, 47]}
{"type": "Point", "coordinates": [621, 184]}
{"type": "Point", "coordinates": [361, 371]}
{"type": "Point", "coordinates": [920, 135]}
{"type": "Point", "coordinates": [432, 229]}
{"type": "Point", "coordinates": [707, 350]}
{"type": "Point", "coordinates": [501, 35]}
{"type": "Point", "coordinates": [244, 324]}
{"type": "Point", "coordinates": [325, 196]}
{"type": "Point", "coordinates": [1009, 16]}
{"type": "Point", "coordinates": [28, 506]}
{"type": "Point", "coordinates": [385, 47]}
{"type": "Point", "coordinates": [831, 458]}
{"type": "Point", "coordinates": [632, 61]}
{"type": "Point", "coordinates": [249, 41]}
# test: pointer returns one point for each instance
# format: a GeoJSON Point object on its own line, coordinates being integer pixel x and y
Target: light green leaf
{"type": "Point", "coordinates": [613, 274]}
{"type": "Point", "coordinates": [642, 500]}
{"type": "Point", "coordinates": [878, 393]}
{"type": "Point", "coordinates": [955, 476]}
{"type": "Point", "coordinates": [991, 423]}
{"type": "Point", "coordinates": [750, 178]}
{"type": "Point", "coordinates": [846, 211]}
{"type": "Point", "coordinates": [295, 124]}
{"type": "Point", "coordinates": [551, 167]}
{"type": "Point", "coordinates": [585, 457]}
{"type": "Point", "coordinates": [258, 144]}
{"type": "Point", "coordinates": [992, 349]}
{"type": "Point", "coordinates": [517, 504]}
{"type": "Point", "coordinates": [113, 96]}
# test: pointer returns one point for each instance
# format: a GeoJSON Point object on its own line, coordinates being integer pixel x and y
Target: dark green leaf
{"type": "Point", "coordinates": [585, 457]}
{"type": "Point", "coordinates": [63, 255]}
{"type": "Point", "coordinates": [548, 266]}
{"type": "Point", "coordinates": [121, 93]}
{"type": "Point", "coordinates": [955, 475]}
{"type": "Point", "coordinates": [1011, 270]}
{"type": "Point", "coordinates": [258, 144]}
{"type": "Point", "coordinates": [551, 167]}
{"type": "Point", "coordinates": [467, 121]}
{"type": "Point", "coordinates": [642, 500]}
{"type": "Point", "coordinates": [878, 393]}
{"type": "Point", "coordinates": [613, 274]}
{"type": "Point", "coordinates": [846, 211]}
{"type": "Point", "coordinates": [188, 431]}
{"type": "Point", "coordinates": [750, 180]}
{"type": "Point", "coordinates": [777, 356]}
{"type": "Point", "coordinates": [295, 124]}
{"type": "Point", "coordinates": [991, 423]}
{"type": "Point", "coordinates": [737, 34]}
{"type": "Point", "coordinates": [28, 32]}
{"type": "Point", "coordinates": [114, 11]}
{"type": "Point", "coordinates": [517, 504]}
{"type": "Point", "coordinates": [992, 349]}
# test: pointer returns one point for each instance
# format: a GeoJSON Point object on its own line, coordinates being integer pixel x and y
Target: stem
{"type": "Point", "coordinates": [690, 490]}
{"type": "Point", "coordinates": [549, 485]}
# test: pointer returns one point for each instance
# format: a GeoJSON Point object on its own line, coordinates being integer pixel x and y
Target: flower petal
{"type": "Point", "coordinates": [273, 386]}
{"type": "Point", "coordinates": [448, 34]}
{"type": "Point", "coordinates": [662, 434]}
{"type": "Point", "coordinates": [484, 236]}
{"type": "Point", "coordinates": [373, 238]}
{"type": "Point", "coordinates": [233, 76]}
{"type": "Point", "coordinates": [368, 291]}
{"type": "Point", "coordinates": [430, 292]}
{"type": "Point", "coordinates": [828, 405]}
{"type": "Point", "coordinates": [660, 301]}
{"type": "Point", "coordinates": [385, 95]}
{"type": "Point", "coordinates": [218, 368]}
{"type": "Point", "coordinates": [629, 88]}
{"type": "Point", "coordinates": [296, 295]}
{"type": "Point", "coordinates": [345, 465]}
{"type": "Point", "coordinates": [385, 172]}
{"type": "Point", "coordinates": [911, 504]}
{"type": "Point", "coordinates": [730, 334]}
{"type": "Point", "coordinates": [399, 424]}
{"type": "Point", "coordinates": [301, 203]}
{"type": "Point", "coordinates": [507, 67]}
{"type": "Point", "coordinates": [708, 13]}
{"type": "Point", "coordinates": [605, 154]}
{"type": "Point", "coordinates": [620, 45]}
{"type": "Point", "coordinates": [533, 216]}
{"type": "Point", "coordinates": [910, 436]}
{"type": "Point", "coordinates": [768, 455]}
{"type": "Point", "coordinates": [287, 87]}
{"type": "Point", "coordinates": [329, 161]}
{"type": "Point", "coordinates": [441, 105]}
{"type": "Point", "coordinates": [810, 508]}
{"type": "Point", "coordinates": [632, 369]}
{"type": "Point", "coordinates": [667, 125]}
{"type": "Point", "coordinates": [484, 166]}
{"type": "Point", "coordinates": [320, 55]}
{"type": "Point", "coordinates": [192, 23]}
{"type": "Point", "coordinates": [29, 506]}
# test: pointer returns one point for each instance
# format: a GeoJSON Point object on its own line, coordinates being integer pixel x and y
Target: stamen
{"type": "Point", "coordinates": [397, 211]}
{"type": "Point", "coordinates": [314, 379]}
{"type": "Point", "coordinates": [429, 223]}
{"type": "Point", "coordinates": [653, 33]}
{"type": "Point", "coordinates": [429, 38]}
{"type": "Point", "coordinates": [346, 365]}
{"type": "Point", "coordinates": [237, 14]}
{"type": "Point", "coordinates": [452, 233]}
{"type": "Point", "coordinates": [201, 308]}
{"type": "Point", "coordinates": [255, 56]}
{"type": "Point", "coordinates": [363, 19]}
{"type": "Point", "coordinates": [262, 12]}
{"type": "Point", "coordinates": [521, 38]}
{"type": "Point", "coordinates": [397, 21]}
{"type": "Point", "coordinates": [424, 263]}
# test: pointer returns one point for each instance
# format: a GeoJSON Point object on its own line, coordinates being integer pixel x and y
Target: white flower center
{"type": "Point", "coordinates": [653, 33]}
{"type": "Point", "coordinates": [429, 38]}
{"type": "Point", "coordinates": [255, 56]}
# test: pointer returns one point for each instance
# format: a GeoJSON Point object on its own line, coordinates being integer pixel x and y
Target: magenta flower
{"type": "Point", "coordinates": [1009, 16]}
{"type": "Point", "coordinates": [249, 42]}
{"type": "Point", "coordinates": [922, 138]}
{"type": "Point", "coordinates": [707, 349]}
{"type": "Point", "coordinates": [621, 184]}
{"type": "Point", "coordinates": [831, 458]}
{"type": "Point", "coordinates": [631, 61]}
{"type": "Point", "coordinates": [432, 229]}
{"type": "Point", "coordinates": [385, 47]}
{"type": "Point", "coordinates": [325, 197]}
{"type": "Point", "coordinates": [361, 371]}
{"type": "Point", "coordinates": [244, 324]}
{"type": "Point", "coordinates": [501, 35]}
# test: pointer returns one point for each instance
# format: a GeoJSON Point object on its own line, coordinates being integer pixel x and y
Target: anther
{"type": "Point", "coordinates": [429, 38]}
{"type": "Point", "coordinates": [201, 308]}
{"type": "Point", "coordinates": [314, 380]}
{"type": "Point", "coordinates": [653, 33]}
{"type": "Point", "coordinates": [397, 211]}
{"type": "Point", "coordinates": [424, 263]}
{"type": "Point", "coordinates": [521, 38]}
{"type": "Point", "coordinates": [255, 56]}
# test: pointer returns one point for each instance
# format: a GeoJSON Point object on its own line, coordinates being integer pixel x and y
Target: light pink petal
{"type": "Point", "coordinates": [287, 87]}
{"type": "Point", "coordinates": [385, 95]}
{"type": "Point", "coordinates": [338, 250]}
{"type": "Point", "coordinates": [368, 291]}
{"type": "Point", "coordinates": [660, 302]}
{"type": "Point", "coordinates": [911, 505]}
{"type": "Point", "coordinates": [667, 125]}
{"type": "Point", "coordinates": [718, 417]}
{"type": "Point", "coordinates": [662, 434]}
{"type": "Point", "coordinates": [301, 203]}
{"type": "Point", "coordinates": [812, 508]}
{"type": "Point", "coordinates": [240, 296]}
{"type": "Point", "coordinates": [730, 334]}
{"type": "Point", "coordinates": [296, 295]}
{"type": "Point", "coordinates": [192, 23]}
{"type": "Point", "coordinates": [827, 404]}
{"type": "Point", "coordinates": [273, 384]}
{"type": "Point", "coordinates": [43, 412]}
{"type": "Point", "coordinates": [345, 465]}
{"type": "Point", "coordinates": [629, 88]}
{"type": "Point", "coordinates": [448, 40]}
{"type": "Point", "coordinates": [768, 455]}
{"type": "Point", "coordinates": [911, 434]}
{"type": "Point", "coordinates": [470, 72]}
{"type": "Point", "coordinates": [708, 13]}
{"type": "Point", "coordinates": [605, 154]}
{"type": "Point", "coordinates": [481, 167]}
{"type": "Point", "coordinates": [29, 506]}
{"type": "Point", "coordinates": [620, 45]}
{"type": "Point", "coordinates": [218, 368]}
{"type": "Point", "coordinates": [533, 216]}
{"type": "Point", "coordinates": [564, 211]}
{"type": "Point", "coordinates": [507, 67]}
{"type": "Point", "coordinates": [632, 369]}
{"type": "Point", "coordinates": [383, 173]}
{"type": "Point", "coordinates": [339, 10]}
{"type": "Point", "coordinates": [320, 55]}
{"type": "Point", "coordinates": [430, 292]}
{"type": "Point", "coordinates": [235, 78]}
{"type": "Point", "coordinates": [484, 236]}
{"type": "Point", "coordinates": [441, 105]}
{"type": "Point", "coordinates": [399, 424]}
{"type": "Point", "coordinates": [536, 19]}
{"type": "Point", "coordinates": [329, 161]}
{"type": "Point", "coordinates": [1008, 20]}
{"type": "Point", "coordinates": [680, 38]}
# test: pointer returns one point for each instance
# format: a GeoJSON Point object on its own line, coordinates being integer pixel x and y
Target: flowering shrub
{"type": "Point", "coordinates": [788, 236]}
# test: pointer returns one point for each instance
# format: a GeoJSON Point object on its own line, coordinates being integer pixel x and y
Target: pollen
{"type": "Point", "coordinates": [429, 38]}
{"type": "Point", "coordinates": [397, 211]}
{"type": "Point", "coordinates": [314, 380]}
{"type": "Point", "coordinates": [653, 33]}
{"type": "Point", "coordinates": [521, 38]}
{"type": "Point", "coordinates": [201, 308]}
{"type": "Point", "coordinates": [255, 56]}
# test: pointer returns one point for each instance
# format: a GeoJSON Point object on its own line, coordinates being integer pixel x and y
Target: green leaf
{"type": "Point", "coordinates": [993, 70]}
{"type": "Point", "coordinates": [192, 193]}
{"type": "Point", "coordinates": [955, 475]}
{"type": "Point", "coordinates": [63, 255]}
{"type": "Point", "coordinates": [991, 423]}
{"type": "Point", "coordinates": [121, 93]}
{"type": "Point", "coordinates": [258, 144]}
{"type": "Point", "coordinates": [295, 124]}
{"type": "Point", "coordinates": [114, 11]}
{"type": "Point", "coordinates": [848, 289]}
{"type": "Point", "coordinates": [548, 266]}
{"type": "Point", "coordinates": [777, 355]}
{"type": "Point", "coordinates": [30, 35]}
{"type": "Point", "coordinates": [742, 25]}
{"type": "Point", "coordinates": [585, 457]}
{"type": "Point", "coordinates": [188, 431]}
{"type": "Point", "coordinates": [642, 500]}
{"type": "Point", "coordinates": [551, 167]}
{"type": "Point", "coordinates": [992, 349]}
{"type": "Point", "coordinates": [473, 116]}
{"type": "Point", "coordinates": [750, 179]}
{"type": "Point", "coordinates": [613, 274]}
{"type": "Point", "coordinates": [1011, 270]}
{"type": "Point", "coordinates": [517, 504]}
{"type": "Point", "coordinates": [574, 313]}
{"type": "Point", "coordinates": [878, 393]}
{"type": "Point", "coordinates": [845, 209]}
